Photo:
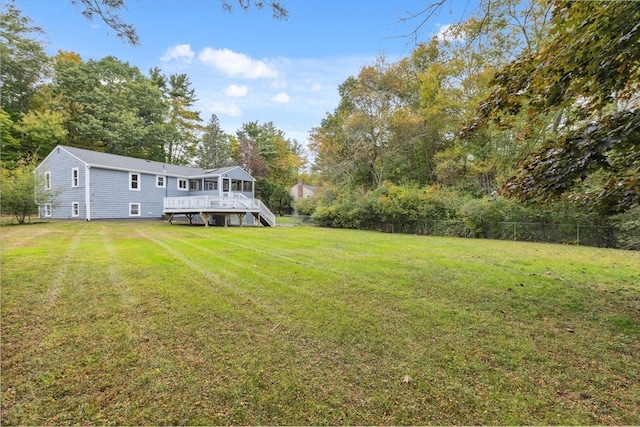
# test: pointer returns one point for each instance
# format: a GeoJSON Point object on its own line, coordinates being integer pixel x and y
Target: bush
{"type": "Point", "coordinates": [388, 208]}
{"type": "Point", "coordinates": [628, 225]}
{"type": "Point", "coordinates": [306, 206]}
{"type": "Point", "coordinates": [21, 191]}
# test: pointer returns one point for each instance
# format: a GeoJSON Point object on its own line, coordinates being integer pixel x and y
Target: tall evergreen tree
{"type": "Point", "coordinates": [180, 144]}
{"type": "Point", "coordinates": [214, 149]}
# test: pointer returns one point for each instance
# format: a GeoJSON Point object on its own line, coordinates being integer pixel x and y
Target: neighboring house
{"type": "Point", "coordinates": [98, 185]}
{"type": "Point", "coordinates": [302, 191]}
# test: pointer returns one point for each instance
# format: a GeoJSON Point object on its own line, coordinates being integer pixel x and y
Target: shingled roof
{"type": "Point", "coordinates": [114, 161]}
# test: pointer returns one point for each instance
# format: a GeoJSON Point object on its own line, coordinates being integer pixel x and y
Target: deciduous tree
{"type": "Point", "coordinates": [22, 58]}
{"type": "Point", "coordinates": [111, 106]}
{"type": "Point", "coordinates": [590, 66]}
{"type": "Point", "coordinates": [21, 190]}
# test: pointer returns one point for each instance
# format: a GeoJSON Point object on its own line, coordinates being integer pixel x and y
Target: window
{"type": "Point", "coordinates": [194, 185]}
{"type": "Point", "coordinates": [225, 184]}
{"type": "Point", "coordinates": [247, 186]}
{"type": "Point", "coordinates": [47, 209]}
{"type": "Point", "coordinates": [75, 209]}
{"type": "Point", "coordinates": [134, 181]}
{"type": "Point", "coordinates": [134, 209]}
{"type": "Point", "coordinates": [47, 180]}
{"type": "Point", "coordinates": [236, 185]}
{"type": "Point", "coordinates": [182, 184]}
{"type": "Point", "coordinates": [210, 185]}
{"type": "Point", "coordinates": [75, 177]}
{"type": "Point", "coordinates": [160, 182]}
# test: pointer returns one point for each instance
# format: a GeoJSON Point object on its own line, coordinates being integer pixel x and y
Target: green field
{"type": "Point", "coordinates": [147, 323]}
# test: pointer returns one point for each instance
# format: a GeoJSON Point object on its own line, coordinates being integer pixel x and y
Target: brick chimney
{"type": "Point", "coordinates": [300, 189]}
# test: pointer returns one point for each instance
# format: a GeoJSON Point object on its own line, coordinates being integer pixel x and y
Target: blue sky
{"type": "Point", "coordinates": [247, 66]}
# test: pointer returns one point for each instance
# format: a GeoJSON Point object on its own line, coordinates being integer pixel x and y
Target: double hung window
{"type": "Point", "coordinates": [134, 181]}
{"type": "Point", "coordinates": [134, 209]}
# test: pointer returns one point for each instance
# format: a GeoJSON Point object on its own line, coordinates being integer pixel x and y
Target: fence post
{"type": "Point", "coordinates": [515, 227]}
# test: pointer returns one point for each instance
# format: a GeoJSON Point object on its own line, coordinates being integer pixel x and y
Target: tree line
{"type": "Point", "coordinates": [533, 100]}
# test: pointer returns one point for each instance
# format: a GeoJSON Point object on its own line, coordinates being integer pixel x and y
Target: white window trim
{"type": "Point", "coordinates": [164, 181]}
{"type": "Point", "coordinates": [47, 210]}
{"type": "Point", "coordinates": [75, 209]}
{"type": "Point", "coordinates": [47, 180]}
{"type": "Point", "coordinates": [75, 177]}
{"type": "Point", "coordinates": [131, 174]}
{"type": "Point", "coordinates": [139, 209]}
{"type": "Point", "coordinates": [186, 184]}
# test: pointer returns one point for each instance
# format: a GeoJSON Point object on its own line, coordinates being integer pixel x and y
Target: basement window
{"type": "Point", "coordinates": [134, 209]}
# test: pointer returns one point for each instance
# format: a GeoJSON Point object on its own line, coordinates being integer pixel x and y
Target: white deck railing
{"type": "Point", "coordinates": [224, 203]}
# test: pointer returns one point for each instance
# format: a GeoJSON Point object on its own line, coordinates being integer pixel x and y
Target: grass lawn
{"type": "Point", "coordinates": [148, 323]}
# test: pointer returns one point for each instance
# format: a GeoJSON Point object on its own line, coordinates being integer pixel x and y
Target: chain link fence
{"type": "Point", "coordinates": [575, 234]}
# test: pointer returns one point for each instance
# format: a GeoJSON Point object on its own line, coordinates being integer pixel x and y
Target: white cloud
{"type": "Point", "coordinates": [278, 84]}
{"type": "Point", "coordinates": [450, 33]}
{"type": "Point", "coordinates": [179, 52]}
{"type": "Point", "coordinates": [236, 91]}
{"type": "Point", "coordinates": [281, 98]}
{"type": "Point", "coordinates": [237, 64]}
{"type": "Point", "coordinates": [231, 110]}
{"type": "Point", "coordinates": [316, 87]}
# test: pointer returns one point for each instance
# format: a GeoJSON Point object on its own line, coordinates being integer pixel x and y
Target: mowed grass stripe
{"type": "Point", "coordinates": [293, 305]}
{"type": "Point", "coordinates": [250, 351]}
{"type": "Point", "coordinates": [251, 326]}
{"type": "Point", "coordinates": [66, 322]}
{"type": "Point", "coordinates": [311, 293]}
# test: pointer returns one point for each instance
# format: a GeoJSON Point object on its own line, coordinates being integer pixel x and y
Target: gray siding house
{"type": "Point", "coordinates": [96, 185]}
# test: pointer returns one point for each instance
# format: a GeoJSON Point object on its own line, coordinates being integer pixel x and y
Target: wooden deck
{"type": "Point", "coordinates": [207, 207]}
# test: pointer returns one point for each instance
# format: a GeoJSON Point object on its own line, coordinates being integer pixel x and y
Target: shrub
{"type": "Point", "coordinates": [629, 228]}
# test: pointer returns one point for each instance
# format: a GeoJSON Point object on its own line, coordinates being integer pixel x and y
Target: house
{"type": "Point", "coordinates": [96, 185]}
{"type": "Point", "coordinates": [302, 191]}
